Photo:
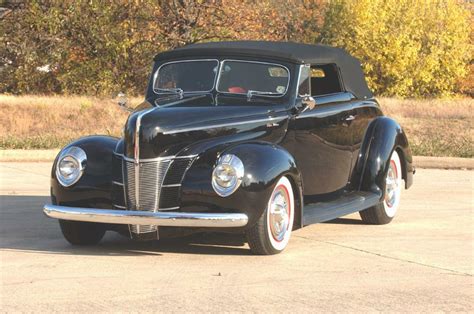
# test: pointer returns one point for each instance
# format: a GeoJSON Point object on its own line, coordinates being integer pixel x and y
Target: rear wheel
{"type": "Point", "coordinates": [271, 233]}
{"type": "Point", "coordinates": [82, 233]}
{"type": "Point", "coordinates": [384, 212]}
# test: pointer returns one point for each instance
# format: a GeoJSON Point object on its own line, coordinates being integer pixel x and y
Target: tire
{"type": "Point", "coordinates": [384, 212]}
{"type": "Point", "coordinates": [81, 233]}
{"type": "Point", "coordinates": [271, 233]}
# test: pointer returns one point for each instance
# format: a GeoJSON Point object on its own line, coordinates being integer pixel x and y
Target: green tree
{"type": "Point", "coordinates": [100, 47]}
{"type": "Point", "coordinates": [407, 47]}
{"type": "Point", "coordinates": [75, 47]}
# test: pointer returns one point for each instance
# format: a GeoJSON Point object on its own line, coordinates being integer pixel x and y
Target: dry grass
{"type": "Point", "coordinates": [51, 122]}
{"type": "Point", "coordinates": [434, 127]}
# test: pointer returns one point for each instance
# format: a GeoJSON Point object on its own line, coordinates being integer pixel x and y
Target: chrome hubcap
{"type": "Point", "coordinates": [391, 185]}
{"type": "Point", "coordinates": [279, 214]}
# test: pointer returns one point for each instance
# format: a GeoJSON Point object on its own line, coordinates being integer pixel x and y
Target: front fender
{"type": "Point", "coordinates": [94, 187]}
{"type": "Point", "coordinates": [263, 162]}
{"type": "Point", "coordinates": [383, 136]}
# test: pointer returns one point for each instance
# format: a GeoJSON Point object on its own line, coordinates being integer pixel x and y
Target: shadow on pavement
{"type": "Point", "coordinates": [24, 227]}
{"type": "Point", "coordinates": [346, 221]}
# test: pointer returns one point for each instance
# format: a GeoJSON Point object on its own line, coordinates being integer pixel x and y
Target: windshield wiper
{"type": "Point", "coordinates": [251, 93]}
{"type": "Point", "coordinates": [177, 91]}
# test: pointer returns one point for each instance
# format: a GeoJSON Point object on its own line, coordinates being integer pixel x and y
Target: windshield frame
{"type": "Point", "coordinates": [257, 62]}
{"type": "Point", "coordinates": [155, 76]}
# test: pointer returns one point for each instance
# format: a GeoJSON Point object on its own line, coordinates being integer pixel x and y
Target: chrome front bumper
{"type": "Point", "coordinates": [129, 217]}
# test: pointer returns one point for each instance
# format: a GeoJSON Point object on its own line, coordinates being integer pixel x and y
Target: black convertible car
{"type": "Point", "coordinates": [260, 138]}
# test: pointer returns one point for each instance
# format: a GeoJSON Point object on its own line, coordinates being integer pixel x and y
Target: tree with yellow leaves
{"type": "Point", "coordinates": [408, 48]}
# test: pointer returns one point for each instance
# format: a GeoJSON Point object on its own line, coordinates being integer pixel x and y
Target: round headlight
{"type": "Point", "coordinates": [71, 164]}
{"type": "Point", "coordinates": [227, 175]}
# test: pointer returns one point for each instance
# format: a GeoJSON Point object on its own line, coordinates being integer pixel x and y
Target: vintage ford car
{"type": "Point", "coordinates": [260, 138]}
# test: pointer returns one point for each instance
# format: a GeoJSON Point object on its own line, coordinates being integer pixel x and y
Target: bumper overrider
{"type": "Point", "coordinates": [126, 217]}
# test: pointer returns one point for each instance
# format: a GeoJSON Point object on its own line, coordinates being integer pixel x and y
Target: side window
{"type": "Point", "coordinates": [325, 80]}
{"type": "Point", "coordinates": [304, 87]}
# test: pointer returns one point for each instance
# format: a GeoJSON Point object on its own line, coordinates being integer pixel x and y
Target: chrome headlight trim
{"type": "Point", "coordinates": [235, 167]}
{"type": "Point", "coordinates": [75, 155]}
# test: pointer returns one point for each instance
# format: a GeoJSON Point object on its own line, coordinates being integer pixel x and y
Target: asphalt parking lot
{"type": "Point", "coordinates": [422, 261]}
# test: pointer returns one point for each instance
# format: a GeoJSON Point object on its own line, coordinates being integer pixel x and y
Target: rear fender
{"type": "Point", "coordinates": [383, 136]}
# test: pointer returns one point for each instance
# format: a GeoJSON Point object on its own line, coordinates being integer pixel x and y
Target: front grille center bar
{"type": "Point", "coordinates": [143, 180]}
{"type": "Point", "coordinates": [136, 155]}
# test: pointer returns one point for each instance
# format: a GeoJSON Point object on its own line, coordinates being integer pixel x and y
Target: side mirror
{"type": "Point", "coordinates": [304, 103]}
{"type": "Point", "coordinates": [122, 101]}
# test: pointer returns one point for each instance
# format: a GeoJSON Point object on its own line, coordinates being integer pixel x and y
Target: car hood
{"type": "Point", "coordinates": [168, 129]}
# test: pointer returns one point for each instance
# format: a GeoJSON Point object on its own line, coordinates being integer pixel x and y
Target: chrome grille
{"type": "Point", "coordinates": [151, 176]}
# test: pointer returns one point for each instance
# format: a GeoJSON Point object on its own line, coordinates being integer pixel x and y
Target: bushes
{"type": "Point", "coordinates": [407, 47]}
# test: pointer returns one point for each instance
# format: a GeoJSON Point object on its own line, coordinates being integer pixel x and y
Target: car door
{"type": "Point", "coordinates": [320, 139]}
{"type": "Point", "coordinates": [364, 112]}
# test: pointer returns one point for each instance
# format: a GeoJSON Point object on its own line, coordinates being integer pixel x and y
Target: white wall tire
{"type": "Point", "coordinates": [385, 211]}
{"type": "Point", "coordinates": [272, 232]}
{"type": "Point", "coordinates": [393, 186]}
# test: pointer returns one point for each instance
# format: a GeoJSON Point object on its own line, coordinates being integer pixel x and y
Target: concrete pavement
{"type": "Point", "coordinates": [422, 261]}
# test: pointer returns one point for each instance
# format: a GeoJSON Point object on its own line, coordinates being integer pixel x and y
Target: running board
{"type": "Point", "coordinates": [351, 203]}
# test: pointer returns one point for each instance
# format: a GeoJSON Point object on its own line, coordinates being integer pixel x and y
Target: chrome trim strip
{"type": "Point", "coordinates": [172, 219]}
{"type": "Point", "coordinates": [249, 61]}
{"type": "Point", "coordinates": [125, 194]}
{"type": "Point", "coordinates": [154, 159]}
{"type": "Point", "coordinates": [299, 78]}
{"type": "Point", "coordinates": [117, 183]}
{"type": "Point", "coordinates": [136, 154]}
{"type": "Point", "coordinates": [170, 185]}
{"type": "Point", "coordinates": [165, 209]}
{"type": "Point", "coordinates": [158, 158]}
{"type": "Point", "coordinates": [155, 76]}
{"type": "Point", "coordinates": [169, 208]}
{"type": "Point", "coordinates": [270, 119]}
{"type": "Point", "coordinates": [324, 111]}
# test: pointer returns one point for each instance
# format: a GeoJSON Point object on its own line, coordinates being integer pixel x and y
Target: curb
{"type": "Point", "coordinates": [28, 155]}
{"type": "Point", "coordinates": [443, 162]}
{"type": "Point", "coordinates": [48, 155]}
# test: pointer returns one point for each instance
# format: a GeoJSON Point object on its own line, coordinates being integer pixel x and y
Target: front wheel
{"type": "Point", "coordinates": [384, 212]}
{"type": "Point", "coordinates": [82, 233]}
{"type": "Point", "coordinates": [271, 233]}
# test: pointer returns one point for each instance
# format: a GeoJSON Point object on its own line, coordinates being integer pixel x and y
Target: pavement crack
{"type": "Point", "coordinates": [388, 257]}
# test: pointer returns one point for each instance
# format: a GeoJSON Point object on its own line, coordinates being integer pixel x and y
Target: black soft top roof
{"type": "Point", "coordinates": [351, 71]}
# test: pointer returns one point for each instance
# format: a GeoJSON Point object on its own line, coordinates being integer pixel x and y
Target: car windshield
{"type": "Point", "coordinates": [186, 76]}
{"type": "Point", "coordinates": [253, 78]}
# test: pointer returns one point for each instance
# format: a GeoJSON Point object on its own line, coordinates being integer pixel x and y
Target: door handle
{"type": "Point", "coordinates": [350, 118]}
